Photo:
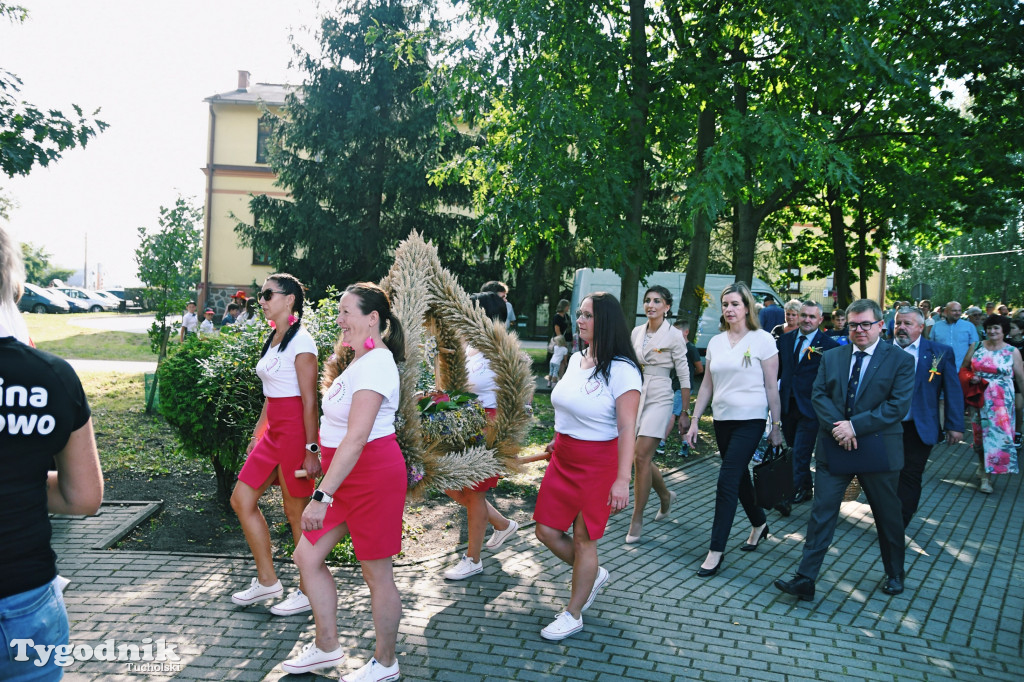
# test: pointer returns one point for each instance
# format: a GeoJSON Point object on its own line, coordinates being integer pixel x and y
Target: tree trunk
{"type": "Point", "coordinates": [638, 152]}
{"type": "Point", "coordinates": [837, 229]}
{"type": "Point", "coordinates": [225, 479]}
{"type": "Point", "coordinates": [165, 334]}
{"type": "Point", "coordinates": [691, 302]}
{"type": "Point", "coordinates": [860, 224]}
{"type": "Point", "coordinates": [745, 241]}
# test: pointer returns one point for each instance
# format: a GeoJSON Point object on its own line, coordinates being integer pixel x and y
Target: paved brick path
{"type": "Point", "coordinates": [961, 616]}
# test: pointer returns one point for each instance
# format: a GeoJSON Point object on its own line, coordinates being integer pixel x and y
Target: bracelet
{"type": "Point", "coordinates": [776, 423]}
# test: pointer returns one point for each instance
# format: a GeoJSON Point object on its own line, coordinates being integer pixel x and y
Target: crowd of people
{"type": "Point", "coordinates": [870, 408]}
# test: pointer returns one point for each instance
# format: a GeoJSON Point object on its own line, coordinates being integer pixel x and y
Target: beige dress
{"type": "Point", "coordinates": [658, 355]}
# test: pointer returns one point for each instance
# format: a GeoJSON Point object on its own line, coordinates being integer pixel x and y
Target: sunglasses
{"type": "Point", "coordinates": [268, 294]}
{"type": "Point", "coordinates": [862, 326]}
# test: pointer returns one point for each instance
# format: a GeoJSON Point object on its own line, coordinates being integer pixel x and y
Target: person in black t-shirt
{"type": "Point", "coordinates": [44, 417]}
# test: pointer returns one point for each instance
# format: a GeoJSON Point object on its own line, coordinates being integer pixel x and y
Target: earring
{"type": "Point", "coordinates": [292, 320]}
{"type": "Point", "coordinates": [369, 344]}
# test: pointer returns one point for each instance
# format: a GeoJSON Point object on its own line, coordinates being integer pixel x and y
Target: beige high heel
{"type": "Point", "coordinates": [664, 514]}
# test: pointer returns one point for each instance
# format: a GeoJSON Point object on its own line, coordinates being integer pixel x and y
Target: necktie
{"type": "Point", "coordinates": [851, 388]}
{"type": "Point", "coordinates": [800, 338]}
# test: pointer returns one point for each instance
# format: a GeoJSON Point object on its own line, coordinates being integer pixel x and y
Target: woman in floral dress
{"type": "Point", "coordinates": [998, 363]}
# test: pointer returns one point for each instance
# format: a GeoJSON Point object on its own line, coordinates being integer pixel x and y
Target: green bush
{"type": "Point", "coordinates": [210, 393]}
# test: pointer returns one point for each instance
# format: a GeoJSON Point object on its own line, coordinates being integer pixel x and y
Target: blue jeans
{"type": "Point", "coordinates": [37, 614]}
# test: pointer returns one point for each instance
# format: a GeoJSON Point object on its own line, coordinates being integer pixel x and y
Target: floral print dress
{"type": "Point", "coordinates": [993, 423]}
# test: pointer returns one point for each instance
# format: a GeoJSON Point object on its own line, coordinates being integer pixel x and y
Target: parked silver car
{"type": "Point", "coordinates": [87, 300]}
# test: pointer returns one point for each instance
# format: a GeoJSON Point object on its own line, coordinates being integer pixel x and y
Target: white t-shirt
{"type": "Point", "coordinates": [190, 321]}
{"type": "Point", "coordinates": [376, 371]}
{"type": "Point", "coordinates": [558, 353]}
{"type": "Point", "coordinates": [738, 384]}
{"type": "Point", "coordinates": [480, 379]}
{"type": "Point", "coordinates": [585, 405]}
{"type": "Point", "coordinates": [277, 368]}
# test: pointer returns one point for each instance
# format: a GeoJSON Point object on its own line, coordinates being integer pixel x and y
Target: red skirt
{"type": "Point", "coordinates": [370, 500]}
{"type": "Point", "coordinates": [578, 480]}
{"type": "Point", "coordinates": [282, 444]}
{"type": "Point", "coordinates": [492, 482]}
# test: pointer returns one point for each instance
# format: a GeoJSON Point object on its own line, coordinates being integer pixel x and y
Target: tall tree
{"type": "Point", "coordinates": [354, 149]}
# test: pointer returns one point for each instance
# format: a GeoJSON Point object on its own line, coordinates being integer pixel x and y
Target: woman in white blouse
{"type": "Point", "coordinates": [284, 440]}
{"type": "Point", "coordinates": [740, 382]}
{"type": "Point", "coordinates": [362, 493]}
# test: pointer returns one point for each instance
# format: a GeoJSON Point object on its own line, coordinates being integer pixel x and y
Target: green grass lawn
{"type": "Point", "coordinates": [56, 334]}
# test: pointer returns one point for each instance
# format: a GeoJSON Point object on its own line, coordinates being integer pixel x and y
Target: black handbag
{"type": "Point", "coordinates": [773, 477]}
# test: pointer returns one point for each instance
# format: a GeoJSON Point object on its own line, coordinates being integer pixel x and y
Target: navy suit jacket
{"type": "Point", "coordinates": [798, 377]}
{"type": "Point", "coordinates": [924, 407]}
{"type": "Point", "coordinates": [886, 388]}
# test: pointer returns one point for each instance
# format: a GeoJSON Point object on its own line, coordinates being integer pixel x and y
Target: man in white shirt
{"type": "Point", "coordinates": [860, 396]}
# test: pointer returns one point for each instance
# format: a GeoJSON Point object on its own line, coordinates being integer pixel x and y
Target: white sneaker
{"type": "Point", "coordinates": [296, 602]}
{"type": "Point", "coordinates": [464, 569]}
{"type": "Point", "coordinates": [257, 592]}
{"type": "Point", "coordinates": [986, 485]}
{"type": "Point", "coordinates": [602, 578]}
{"type": "Point", "coordinates": [498, 537]}
{"type": "Point", "coordinates": [313, 658]}
{"type": "Point", "coordinates": [373, 672]}
{"type": "Point", "coordinates": [564, 625]}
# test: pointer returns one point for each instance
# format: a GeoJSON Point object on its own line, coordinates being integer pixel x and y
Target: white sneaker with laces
{"type": "Point", "coordinates": [602, 578]}
{"type": "Point", "coordinates": [373, 672]}
{"type": "Point", "coordinates": [498, 537]}
{"type": "Point", "coordinates": [257, 592]}
{"type": "Point", "coordinates": [564, 625]}
{"type": "Point", "coordinates": [296, 602]}
{"type": "Point", "coordinates": [313, 658]}
{"type": "Point", "coordinates": [464, 569]}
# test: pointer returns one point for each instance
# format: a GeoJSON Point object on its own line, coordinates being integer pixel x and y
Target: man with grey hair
{"type": "Point", "coordinates": [862, 392]}
{"type": "Point", "coordinates": [935, 381]}
{"type": "Point", "coordinates": [800, 353]}
{"type": "Point", "coordinates": [957, 333]}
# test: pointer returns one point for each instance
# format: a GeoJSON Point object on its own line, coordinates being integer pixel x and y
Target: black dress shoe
{"type": "Point", "coordinates": [893, 585]}
{"type": "Point", "coordinates": [708, 572]}
{"type": "Point", "coordinates": [803, 495]}
{"type": "Point", "coordinates": [751, 547]}
{"type": "Point", "coordinates": [784, 508]}
{"type": "Point", "coordinates": [799, 586]}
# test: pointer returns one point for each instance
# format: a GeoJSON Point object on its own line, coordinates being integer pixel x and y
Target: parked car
{"type": "Point", "coordinates": [39, 300]}
{"type": "Point", "coordinates": [74, 305]}
{"type": "Point", "coordinates": [108, 296]}
{"type": "Point", "coordinates": [88, 300]}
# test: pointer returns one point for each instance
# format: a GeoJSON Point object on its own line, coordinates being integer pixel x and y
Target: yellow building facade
{"type": "Point", "coordinates": [236, 167]}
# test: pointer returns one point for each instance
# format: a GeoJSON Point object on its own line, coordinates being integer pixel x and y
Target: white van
{"type": "Point", "coordinates": [588, 280]}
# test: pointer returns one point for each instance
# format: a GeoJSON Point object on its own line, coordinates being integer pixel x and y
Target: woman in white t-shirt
{"type": "Point", "coordinates": [479, 512]}
{"type": "Point", "coordinates": [284, 440]}
{"type": "Point", "coordinates": [740, 382]}
{"type": "Point", "coordinates": [362, 493]}
{"type": "Point", "coordinates": [592, 454]}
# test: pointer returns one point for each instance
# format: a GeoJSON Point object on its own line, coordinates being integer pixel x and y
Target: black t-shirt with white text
{"type": "Point", "coordinates": [41, 403]}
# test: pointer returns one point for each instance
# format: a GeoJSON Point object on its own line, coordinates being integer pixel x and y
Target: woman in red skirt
{"type": "Point", "coordinates": [284, 440]}
{"type": "Point", "coordinates": [480, 512]}
{"type": "Point", "coordinates": [592, 455]}
{"type": "Point", "coordinates": [363, 492]}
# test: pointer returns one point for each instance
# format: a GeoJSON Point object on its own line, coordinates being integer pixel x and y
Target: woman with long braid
{"type": "Point", "coordinates": [284, 440]}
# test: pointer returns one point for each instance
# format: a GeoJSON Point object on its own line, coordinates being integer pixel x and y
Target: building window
{"type": "Point", "coordinates": [260, 258]}
{"type": "Point", "coordinates": [263, 131]}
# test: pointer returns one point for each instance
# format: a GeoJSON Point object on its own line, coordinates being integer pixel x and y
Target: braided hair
{"type": "Point", "coordinates": [289, 284]}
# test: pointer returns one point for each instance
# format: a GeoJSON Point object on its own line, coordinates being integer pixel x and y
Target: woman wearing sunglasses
{"type": "Point", "coordinates": [592, 454]}
{"type": "Point", "coordinates": [284, 440]}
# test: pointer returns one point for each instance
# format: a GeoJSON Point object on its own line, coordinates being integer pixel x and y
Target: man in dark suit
{"type": "Point", "coordinates": [861, 394]}
{"type": "Point", "coordinates": [935, 377]}
{"type": "Point", "coordinates": [800, 353]}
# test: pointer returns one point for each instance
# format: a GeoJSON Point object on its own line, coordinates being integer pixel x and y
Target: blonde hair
{"type": "Point", "coordinates": [747, 297]}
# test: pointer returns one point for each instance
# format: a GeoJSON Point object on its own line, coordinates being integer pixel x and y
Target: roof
{"type": "Point", "coordinates": [267, 93]}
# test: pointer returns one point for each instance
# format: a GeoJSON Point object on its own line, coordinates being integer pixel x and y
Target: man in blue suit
{"type": "Point", "coordinates": [799, 356]}
{"type": "Point", "coordinates": [934, 378]}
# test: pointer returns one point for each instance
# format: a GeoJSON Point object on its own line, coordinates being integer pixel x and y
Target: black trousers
{"type": "Point", "coordinates": [800, 433]}
{"type": "Point", "coordinates": [737, 441]}
{"type": "Point", "coordinates": [915, 457]}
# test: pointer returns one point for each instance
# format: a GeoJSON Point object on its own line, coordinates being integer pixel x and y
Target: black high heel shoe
{"type": "Point", "coordinates": [751, 547]}
{"type": "Point", "coordinates": [708, 572]}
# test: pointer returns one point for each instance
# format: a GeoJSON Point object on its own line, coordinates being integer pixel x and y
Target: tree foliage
{"type": "Point", "coordinates": [30, 136]}
{"type": "Point", "coordinates": [38, 269]}
{"type": "Point", "coordinates": [354, 148]}
{"type": "Point", "coordinates": [168, 260]}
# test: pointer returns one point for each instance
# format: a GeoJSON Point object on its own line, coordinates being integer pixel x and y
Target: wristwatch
{"type": "Point", "coordinates": [313, 447]}
{"type": "Point", "coordinates": [321, 496]}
